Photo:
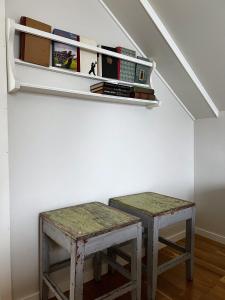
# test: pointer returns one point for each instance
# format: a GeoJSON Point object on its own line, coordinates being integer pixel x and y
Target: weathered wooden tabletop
{"type": "Point", "coordinates": [87, 220]}
{"type": "Point", "coordinates": [152, 203]}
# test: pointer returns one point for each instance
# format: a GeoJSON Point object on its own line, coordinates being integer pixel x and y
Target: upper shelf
{"type": "Point", "coordinates": [15, 84]}
{"type": "Point", "coordinates": [67, 41]}
{"type": "Point", "coordinates": [78, 74]}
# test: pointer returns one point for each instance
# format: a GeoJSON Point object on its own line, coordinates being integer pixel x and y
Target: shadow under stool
{"type": "Point", "coordinates": [157, 211]}
{"type": "Point", "coordinates": [84, 231]}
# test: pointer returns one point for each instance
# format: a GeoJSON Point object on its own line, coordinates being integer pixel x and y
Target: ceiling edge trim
{"type": "Point", "coordinates": [175, 95]}
{"type": "Point", "coordinates": [143, 54]}
{"type": "Point", "coordinates": [168, 38]}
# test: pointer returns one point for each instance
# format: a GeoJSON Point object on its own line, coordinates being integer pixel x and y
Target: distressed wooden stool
{"type": "Point", "coordinates": [84, 230]}
{"type": "Point", "coordinates": [157, 211]}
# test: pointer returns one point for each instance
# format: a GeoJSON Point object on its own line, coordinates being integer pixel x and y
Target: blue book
{"type": "Point", "coordinates": [142, 73]}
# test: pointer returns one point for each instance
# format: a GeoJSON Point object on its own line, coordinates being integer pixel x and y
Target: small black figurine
{"type": "Point", "coordinates": [92, 70]}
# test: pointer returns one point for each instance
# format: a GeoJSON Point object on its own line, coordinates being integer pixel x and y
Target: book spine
{"type": "Point", "coordinates": [22, 38]}
{"type": "Point", "coordinates": [141, 95]}
{"type": "Point", "coordinates": [110, 85]}
{"type": "Point", "coordinates": [119, 50]}
{"type": "Point", "coordinates": [108, 92]}
{"type": "Point", "coordinates": [110, 88]}
{"type": "Point", "coordinates": [142, 90]}
{"type": "Point", "coordinates": [99, 64]}
{"type": "Point", "coordinates": [78, 55]}
{"type": "Point", "coordinates": [112, 93]}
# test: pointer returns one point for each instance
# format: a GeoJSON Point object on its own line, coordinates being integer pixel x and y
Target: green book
{"type": "Point", "coordinates": [125, 69]}
{"type": "Point", "coordinates": [142, 73]}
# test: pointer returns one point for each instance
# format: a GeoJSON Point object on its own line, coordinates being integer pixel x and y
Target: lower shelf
{"type": "Point", "coordinates": [24, 87]}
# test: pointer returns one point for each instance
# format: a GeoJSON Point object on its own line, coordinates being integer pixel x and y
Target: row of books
{"type": "Point", "coordinates": [120, 90]}
{"type": "Point", "coordinates": [37, 50]}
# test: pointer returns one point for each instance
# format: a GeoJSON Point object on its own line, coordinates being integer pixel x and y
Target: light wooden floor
{"type": "Point", "coordinates": [208, 284]}
{"type": "Point", "coordinates": [209, 276]}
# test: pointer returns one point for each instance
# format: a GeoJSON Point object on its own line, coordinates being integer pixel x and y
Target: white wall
{"type": "Point", "coordinates": [65, 151]}
{"type": "Point", "coordinates": [5, 275]}
{"type": "Point", "coordinates": [210, 176]}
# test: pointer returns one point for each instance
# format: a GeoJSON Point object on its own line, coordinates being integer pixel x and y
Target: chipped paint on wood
{"type": "Point", "coordinates": [152, 203]}
{"type": "Point", "coordinates": [86, 220]}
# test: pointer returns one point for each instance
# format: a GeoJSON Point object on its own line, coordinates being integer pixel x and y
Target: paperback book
{"type": "Point", "coordinates": [88, 59]}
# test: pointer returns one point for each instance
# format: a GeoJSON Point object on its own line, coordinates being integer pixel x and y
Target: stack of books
{"type": "Point", "coordinates": [109, 88]}
{"type": "Point", "coordinates": [142, 93]}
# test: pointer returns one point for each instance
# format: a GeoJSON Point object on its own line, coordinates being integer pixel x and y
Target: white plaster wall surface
{"type": "Point", "coordinates": [210, 174]}
{"type": "Point", "coordinates": [66, 151]}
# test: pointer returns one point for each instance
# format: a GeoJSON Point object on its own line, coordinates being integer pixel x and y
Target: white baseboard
{"type": "Point", "coordinates": [175, 237]}
{"type": "Point", "coordinates": [34, 296]}
{"type": "Point", "coordinates": [210, 235]}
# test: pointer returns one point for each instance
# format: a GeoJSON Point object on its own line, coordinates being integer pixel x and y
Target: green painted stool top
{"type": "Point", "coordinates": [152, 204]}
{"type": "Point", "coordinates": [88, 220]}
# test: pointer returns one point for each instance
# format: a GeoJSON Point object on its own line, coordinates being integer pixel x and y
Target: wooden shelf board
{"type": "Point", "coordinates": [78, 74]}
{"type": "Point", "coordinates": [57, 38]}
{"type": "Point", "coordinates": [25, 87]}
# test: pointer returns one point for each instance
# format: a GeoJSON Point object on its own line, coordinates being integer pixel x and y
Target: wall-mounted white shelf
{"type": "Point", "coordinates": [85, 95]}
{"type": "Point", "coordinates": [17, 83]}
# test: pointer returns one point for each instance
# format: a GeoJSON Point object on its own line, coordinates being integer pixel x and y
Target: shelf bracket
{"type": "Point", "coordinates": [13, 84]}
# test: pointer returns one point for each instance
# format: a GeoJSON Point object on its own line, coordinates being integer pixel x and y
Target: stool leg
{"type": "Point", "coordinates": [97, 266]}
{"type": "Point", "coordinates": [136, 264]}
{"type": "Point", "coordinates": [76, 270]}
{"type": "Point", "coordinates": [43, 261]}
{"type": "Point", "coordinates": [152, 257]}
{"type": "Point", "coordinates": [112, 255]}
{"type": "Point", "coordinates": [190, 238]}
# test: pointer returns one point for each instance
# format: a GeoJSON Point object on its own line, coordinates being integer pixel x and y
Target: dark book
{"type": "Point", "coordinates": [115, 89]}
{"type": "Point", "coordinates": [142, 73]}
{"type": "Point", "coordinates": [63, 55]}
{"type": "Point", "coordinates": [111, 89]}
{"type": "Point", "coordinates": [142, 90]}
{"type": "Point", "coordinates": [113, 93]}
{"type": "Point", "coordinates": [140, 95]}
{"type": "Point", "coordinates": [105, 91]}
{"type": "Point", "coordinates": [125, 69]}
{"type": "Point", "coordinates": [110, 85]}
{"type": "Point", "coordinates": [109, 64]}
{"type": "Point", "coordinates": [34, 49]}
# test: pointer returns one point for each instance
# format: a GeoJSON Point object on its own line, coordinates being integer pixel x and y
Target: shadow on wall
{"type": "Point", "coordinates": [210, 210]}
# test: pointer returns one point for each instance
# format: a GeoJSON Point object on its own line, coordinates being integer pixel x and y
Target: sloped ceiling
{"type": "Point", "coordinates": [140, 26]}
{"type": "Point", "coordinates": [198, 27]}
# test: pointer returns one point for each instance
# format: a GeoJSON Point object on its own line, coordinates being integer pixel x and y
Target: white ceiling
{"type": "Point", "coordinates": [198, 28]}
{"type": "Point", "coordinates": [174, 14]}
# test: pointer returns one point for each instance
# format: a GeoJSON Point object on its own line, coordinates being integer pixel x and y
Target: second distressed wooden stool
{"type": "Point", "coordinates": [84, 230]}
{"type": "Point", "coordinates": [158, 211]}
